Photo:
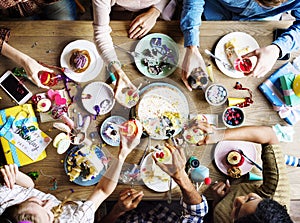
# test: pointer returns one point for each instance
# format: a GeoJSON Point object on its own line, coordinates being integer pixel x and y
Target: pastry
{"type": "Point", "coordinates": [234, 172]}
{"type": "Point", "coordinates": [234, 158]}
{"type": "Point", "coordinates": [230, 50]}
{"type": "Point", "coordinates": [80, 60]}
{"type": "Point", "coordinates": [163, 154]}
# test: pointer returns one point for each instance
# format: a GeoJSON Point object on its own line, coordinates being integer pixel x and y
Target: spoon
{"type": "Point", "coordinates": [250, 160]}
{"type": "Point", "coordinates": [225, 64]}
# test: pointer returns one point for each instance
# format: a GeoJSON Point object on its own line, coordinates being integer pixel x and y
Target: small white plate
{"type": "Point", "coordinates": [98, 93]}
{"type": "Point", "coordinates": [224, 147]}
{"type": "Point", "coordinates": [113, 119]}
{"type": "Point", "coordinates": [95, 66]}
{"type": "Point", "coordinates": [151, 181]}
{"type": "Point", "coordinates": [244, 41]}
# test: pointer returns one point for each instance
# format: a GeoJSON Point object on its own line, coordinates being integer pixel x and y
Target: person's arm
{"type": "Point", "coordinates": [109, 180]}
{"type": "Point", "coordinates": [256, 134]}
{"type": "Point", "coordinates": [31, 66]}
{"type": "Point", "coordinates": [11, 176]}
{"type": "Point", "coordinates": [102, 30]}
{"type": "Point", "coordinates": [190, 23]}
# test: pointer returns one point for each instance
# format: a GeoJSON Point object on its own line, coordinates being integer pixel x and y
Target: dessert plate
{"type": "Point", "coordinates": [98, 94]}
{"type": "Point", "coordinates": [107, 125]}
{"type": "Point", "coordinates": [163, 47]}
{"type": "Point", "coordinates": [157, 99]}
{"type": "Point", "coordinates": [224, 147]}
{"type": "Point", "coordinates": [79, 180]}
{"type": "Point", "coordinates": [245, 42]}
{"type": "Point", "coordinates": [94, 68]}
{"type": "Point", "coordinates": [153, 177]}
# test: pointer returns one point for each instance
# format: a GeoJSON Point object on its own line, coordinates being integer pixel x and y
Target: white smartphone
{"type": "Point", "coordinates": [15, 88]}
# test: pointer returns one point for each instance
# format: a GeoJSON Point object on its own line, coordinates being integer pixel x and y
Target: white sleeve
{"type": "Point", "coordinates": [102, 30]}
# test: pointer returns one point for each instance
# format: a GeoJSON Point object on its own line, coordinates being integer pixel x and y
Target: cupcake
{"type": "Point", "coordinates": [80, 60]}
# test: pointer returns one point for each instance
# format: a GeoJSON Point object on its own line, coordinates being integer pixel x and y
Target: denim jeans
{"type": "Point", "coordinates": [60, 10]}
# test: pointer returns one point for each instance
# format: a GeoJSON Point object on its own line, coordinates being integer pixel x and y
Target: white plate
{"type": "Point", "coordinates": [156, 183]}
{"type": "Point", "coordinates": [98, 93]}
{"type": "Point", "coordinates": [224, 147]}
{"type": "Point", "coordinates": [244, 40]}
{"type": "Point", "coordinates": [95, 66]}
{"type": "Point", "coordinates": [145, 43]}
{"type": "Point", "coordinates": [157, 98]}
{"type": "Point", "coordinates": [114, 119]}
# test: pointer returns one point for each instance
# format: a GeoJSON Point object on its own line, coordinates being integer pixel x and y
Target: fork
{"type": "Point", "coordinates": [225, 64]}
{"type": "Point", "coordinates": [132, 53]}
{"type": "Point", "coordinates": [250, 160]}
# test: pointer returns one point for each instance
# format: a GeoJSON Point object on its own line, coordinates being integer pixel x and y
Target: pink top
{"type": "Point", "coordinates": [101, 11]}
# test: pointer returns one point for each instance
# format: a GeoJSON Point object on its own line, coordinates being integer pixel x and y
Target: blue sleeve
{"type": "Point", "coordinates": [195, 212]}
{"type": "Point", "coordinates": [191, 20]}
{"type": "Point", "coordinates": [290, 40]}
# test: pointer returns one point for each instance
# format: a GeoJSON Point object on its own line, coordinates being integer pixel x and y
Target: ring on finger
{"type": "Point", "coordinates": [141, 27]}
{"type": "Point", "coordinates": [128, 194]}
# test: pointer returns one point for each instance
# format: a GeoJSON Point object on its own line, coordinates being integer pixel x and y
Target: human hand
{"type": "Point", "coordinates": [210, 132]}
{"type": "Point", "coordinates": [266, 58]}
{"type": "Point", "coordinates": [192, 56]}
{"type": "Point", "coordinates": [122, 84]}
{"type": "Point", "coordinates": [128, 200]}
{"type": "Point", "coordinates": [176, 169]}
{"type": "Point", "coordinates": [220, 190]}
{"type": "Point", "coordinates": [129, 142]}
{"type": "Point", "coordinates": [9, 174]}
{"type": "Point", "coordinates": [143, 23]}
{"type": "Point", "coordinates": [32, 68]}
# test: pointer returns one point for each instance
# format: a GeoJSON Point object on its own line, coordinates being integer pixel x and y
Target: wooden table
{"type": "Point", "coordinates": [45, 40]}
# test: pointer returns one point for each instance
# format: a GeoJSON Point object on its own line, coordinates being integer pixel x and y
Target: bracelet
{"type": "Point", "coordinates": [112, 63]}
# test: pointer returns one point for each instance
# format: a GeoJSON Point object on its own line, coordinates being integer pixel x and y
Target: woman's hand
{"type": "Point", "coordinates": [266, 58]}
{"type": "Point", "coordinates": [32, 68]}
{"type": "Point", "coordinates": [128, 143]}
{"type": "Point", "coordinates": [143, 23]}
{"type": "Point", "coordinates": [192, 56]}
{"type": "Point", "coordinates": [122, 83]}
{"type": "Point", "coordinates": [9, 174]}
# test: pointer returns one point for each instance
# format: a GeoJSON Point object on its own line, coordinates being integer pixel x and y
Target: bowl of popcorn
{"type": "Point", "coordinates": [233, 117]}
{"type": "Point", "coordinates": [216, 94]}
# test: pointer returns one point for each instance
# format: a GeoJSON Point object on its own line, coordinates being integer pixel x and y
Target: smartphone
{"type": "Point", "coordinates": [15, 88]}
{"type": "Point", "coordinates": [276, 34]}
